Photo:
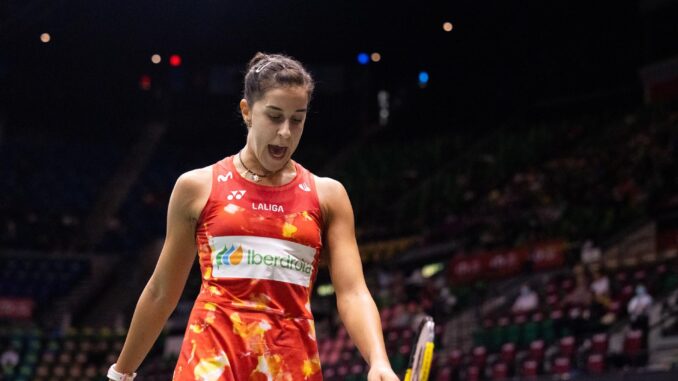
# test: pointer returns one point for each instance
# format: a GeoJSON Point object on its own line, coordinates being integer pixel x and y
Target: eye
{"type": "Point", "coordinates": [297, 120]}
{"type": "Point", "coordinates": [275, 118]}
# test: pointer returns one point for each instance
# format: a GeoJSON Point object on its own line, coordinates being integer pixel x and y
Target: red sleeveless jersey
{"type": "Point", "coordinates": [258, 248]}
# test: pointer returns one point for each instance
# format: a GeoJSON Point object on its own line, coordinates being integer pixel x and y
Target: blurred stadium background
{"type": "Point", "coordinates": [512, 166]}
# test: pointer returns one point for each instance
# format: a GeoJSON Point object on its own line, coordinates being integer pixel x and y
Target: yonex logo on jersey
{"type": "Point", "coordinates": [304, 187]}
{"type": "Point", "coordinates": [238, 194]}
{"type": "Point", "coordinates": [262, 258]}
{"type": "Point", "coordinates": [223, 179]}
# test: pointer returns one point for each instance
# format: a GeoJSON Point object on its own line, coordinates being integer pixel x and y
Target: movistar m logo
{"type": "Point", "coordinates": [223, 179]}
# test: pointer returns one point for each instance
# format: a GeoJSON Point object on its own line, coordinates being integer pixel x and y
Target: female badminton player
{"type": "Point", "coordinates": [258, 221]}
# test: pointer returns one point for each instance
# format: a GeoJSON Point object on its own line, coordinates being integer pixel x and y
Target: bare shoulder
{"type": "Point", "coordinates": [332, 195]}
{"type": "Point", "coordinates": [192, 190]}
{"type": "Point", "coordinates": [196, 178]}
{"type": "Point", "coordinates": [329, 188]}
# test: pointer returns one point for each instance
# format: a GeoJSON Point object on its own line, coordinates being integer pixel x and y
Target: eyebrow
{"type": "Point", "coordinates": [279, 109]}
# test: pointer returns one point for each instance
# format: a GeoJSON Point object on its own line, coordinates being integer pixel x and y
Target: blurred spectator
{"type": "Point", "coordinates": [639, 309]}
{"type": "Point", "coordinates": [381, 279]}
{"type": "Point", "coordinates": [580, 296]}
{"type": "Point", "coordinates": [401, 316]}
{"type": "Point", "coordinates": [384, 278]}
{"type": "Point", "coordinates": [590, 253]}
{"type": "Point", "coordinates": [600, 285]}
{"type": "Point", "coordinates": [9, 360]}
{"type": "Point", "coordinates": [414, 285]}
{"type": "Point", "coordinates": [443, 299]}
{"type": "Point", "coordinates": [527, 301]}
{"type": "Point", "coordinates": [447, 299]}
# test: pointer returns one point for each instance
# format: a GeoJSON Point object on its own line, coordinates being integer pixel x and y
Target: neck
{"type": "Point", "coordinates": [252, 169]}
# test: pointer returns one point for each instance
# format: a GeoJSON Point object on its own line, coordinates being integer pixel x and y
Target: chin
{"type": "Point", "coordinates": [273, 166]}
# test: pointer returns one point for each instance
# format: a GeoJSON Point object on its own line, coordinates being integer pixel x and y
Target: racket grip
{"type": "Point", "coordinates": [408, 375]}
{"type": "Point", "coordinates": [428, 359]}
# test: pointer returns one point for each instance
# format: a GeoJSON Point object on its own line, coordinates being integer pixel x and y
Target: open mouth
{"type": "Point", "coordinates": [277, 152]}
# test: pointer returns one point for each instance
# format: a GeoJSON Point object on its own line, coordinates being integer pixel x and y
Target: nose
{"type": "Point", "coordinates": [284, 130]}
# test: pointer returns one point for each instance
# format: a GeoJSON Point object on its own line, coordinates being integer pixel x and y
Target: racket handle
{"type": "Point", "coordinates": [428, 359]}
{"type": "Point", "coordinates": [408, 375]}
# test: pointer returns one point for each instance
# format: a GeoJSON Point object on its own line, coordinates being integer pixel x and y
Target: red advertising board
{"type": "Point", "coordinates": [16, 308]}
{"type": "Point", "coordinates": [500, 264]}
{"type": "Point", "coordinates": [465, 269]}
{"type": "Point", "coordinates": [504, 263]}
{"type": "Point", "coordinates": [548, 255]}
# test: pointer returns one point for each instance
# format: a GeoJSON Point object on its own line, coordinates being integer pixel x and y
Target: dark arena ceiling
{"type": "Point", "coordinates": [501, 59]}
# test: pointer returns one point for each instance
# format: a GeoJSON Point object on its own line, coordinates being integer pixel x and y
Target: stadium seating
{"type": "Point", "coordinates": [526, 191]}
{"type": "Point", "coordinates": [40, 279]}
{"type": "Point", "coordinates": [77, 354]}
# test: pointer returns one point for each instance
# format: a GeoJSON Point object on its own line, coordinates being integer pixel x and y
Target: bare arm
{"type": "Point", "coordinates": [164, 288]}
{"type": "Point", "coordinates": [354, 302]}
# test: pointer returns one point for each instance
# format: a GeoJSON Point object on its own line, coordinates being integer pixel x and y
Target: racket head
{"type": "Point", "coordinates": [419, 364]}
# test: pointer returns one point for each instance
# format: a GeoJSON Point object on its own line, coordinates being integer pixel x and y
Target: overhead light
{"type": "Point", "coordinates": [175, 60]}
{"type": "Point", "coordinates": [423, 78]}
{"type": "Point", "coordinates": [363, 58]}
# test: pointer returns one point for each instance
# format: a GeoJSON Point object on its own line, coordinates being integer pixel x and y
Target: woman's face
{"type": "Point", "coordinates": [275, 122]}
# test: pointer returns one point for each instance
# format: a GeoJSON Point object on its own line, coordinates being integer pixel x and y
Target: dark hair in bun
{"type": "Point", "coordinates": [268, 71]}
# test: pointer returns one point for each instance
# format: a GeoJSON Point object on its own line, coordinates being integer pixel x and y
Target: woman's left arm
{"type": "Point", "coordinates": [356, 307]}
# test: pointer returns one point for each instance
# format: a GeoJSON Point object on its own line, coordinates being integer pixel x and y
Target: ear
{"type": "Point", "coordinates": [246, 112]}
